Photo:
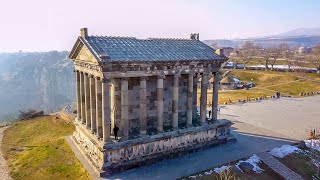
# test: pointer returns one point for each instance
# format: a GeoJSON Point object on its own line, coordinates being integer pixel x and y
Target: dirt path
{"type": "Point", "coordinates": [4, 174]}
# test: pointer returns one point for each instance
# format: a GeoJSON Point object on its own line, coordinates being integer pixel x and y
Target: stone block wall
{"type": "Point", "coordinates": [89, 147]}
{"type": "Point", "coordinates": [151, 104]}
{"type": "Point", "coordinates": [150, 149]}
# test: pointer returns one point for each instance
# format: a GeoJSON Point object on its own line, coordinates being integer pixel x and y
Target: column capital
{"type": "Point", "coordinates": [91, 76]}
{"type": "Point", "coordinates": [161, 76]}
{"type": "Point", "coordinates": [105, 80]}
{"type": "Point", "coordinates": [143, 78]}
{"type": "Point", "coordinates": [177, 75]}
{"type": "Point", "coordinates": [124, 79]}
{"type": "Point", "coordinates": [206, 72]}
{"type": "Point", "coordinates": [192, 73]}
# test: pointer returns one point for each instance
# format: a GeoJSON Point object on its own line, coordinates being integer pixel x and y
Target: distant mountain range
{"type": "Point", "coordinates": [299, 32]}
{"type": "Point", "coordinates": [294, 38]}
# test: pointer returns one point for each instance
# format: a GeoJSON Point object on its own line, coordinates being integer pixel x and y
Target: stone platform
{"type": "Point", "coordinates": [147, 149]}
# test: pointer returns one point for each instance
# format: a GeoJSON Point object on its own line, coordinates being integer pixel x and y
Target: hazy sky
{"type": "Point", "coordinates": [42, 25]}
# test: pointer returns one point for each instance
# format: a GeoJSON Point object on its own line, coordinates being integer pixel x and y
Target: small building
{"type": "Point", "coordinates": [228, 50]}
{"type": "Point", "coordinates": [148, 89]}
{"type": "Point", "coordinates": [229, 83]}
{"type": "Point", "coordinates": [304, 49]}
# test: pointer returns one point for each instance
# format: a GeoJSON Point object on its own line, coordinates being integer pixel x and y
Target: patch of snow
{"type": "Point", "coordinates": [192, 177]}
{"type": "Point", "coordinates": [254, 160]}
{"type": "Point", "coordinates": [316, 163]}
{"type": "Point", "coordinates": [209, 172]}
{"type": "Point", "coordinates": [236, 80]}
{"type": "Point", "coordinates": [313, 143]}
{"type": "Point", "coordinates": [284, 151]}
{"type": "Point", "coordinates": [221, 169]}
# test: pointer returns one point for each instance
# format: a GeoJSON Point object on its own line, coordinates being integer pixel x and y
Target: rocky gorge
{"type": "Point", "coordinates": [35, 80]}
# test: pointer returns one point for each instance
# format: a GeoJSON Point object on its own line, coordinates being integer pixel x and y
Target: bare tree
{"type": "Point", "coordinates": [287, 54]}
{"type": "Point", "coordinates": [265, 55]}
{"type": "Point", "coordinates": [278, 52]}
{"type": "Point", "coordinates": [248, 52]}
{"type": "Point", "coordinates": [28, 114]}
{"type": "Point", "coordinates": [314, 58]}
{"type": "Point", "coordinates": [270, 56]}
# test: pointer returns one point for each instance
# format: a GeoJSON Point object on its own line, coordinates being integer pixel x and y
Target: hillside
{"type": "Point", "coordinates": [36, 149]}
{"type": "Point", "coordinates": [39, 80]}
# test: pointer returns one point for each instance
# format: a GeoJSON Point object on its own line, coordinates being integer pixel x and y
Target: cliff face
{"type": "Point", "coordinates": [43, 81]}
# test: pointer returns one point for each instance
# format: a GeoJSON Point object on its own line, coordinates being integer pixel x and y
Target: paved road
{"type": "Point", "coordinates": [259, 126]}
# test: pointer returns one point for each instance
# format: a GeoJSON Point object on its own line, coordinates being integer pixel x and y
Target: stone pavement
{"type": "Point", "coordinates": [278, 167]}
{"type": "Point", "coordinates": [292, 117]}
{"type": "Point", "coordinates": [4, 174]}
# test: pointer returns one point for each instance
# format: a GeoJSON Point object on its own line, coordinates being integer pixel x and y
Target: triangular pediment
{"type": "Point", "coordinates": [80, 52]}
{"type": "Point", "coordinates": [85, 55]}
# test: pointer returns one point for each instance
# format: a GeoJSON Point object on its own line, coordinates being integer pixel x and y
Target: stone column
{"type": "Point", "coordinates": [98, 107]}
{"type": "Point", "coordinates": [83, 97]}
{"type": "Point", "coordinates": [93, 104]}
{"type": "Point", "coordinates": [78, 95]}
{"type": "Point", "coordinates": [87, 100]}
{"type": "Point", "coordinates": [160, 103]}
{"type": "Point", "coordinates": [175, 101]}
{"type": "Point", "coordinates": [106, 109]}
{"type": "Point", "coordinates": [190, 99]}
{"type": "Point", "coordinates": [215, 91]}
{"type": "Point", "coordinates": [143, 105]}
{"type": "Point", "coordinates": [203, 98]}
{"type": "Point", "coordinates": [195, 97]}
{"type": "Point", "coordinates": [124, 107]}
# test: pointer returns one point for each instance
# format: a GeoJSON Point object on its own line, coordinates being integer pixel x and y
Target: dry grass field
{"type": "Point", "coordinates": [36, 149]}
{"type": "Point", "coordinates": [269, 82]}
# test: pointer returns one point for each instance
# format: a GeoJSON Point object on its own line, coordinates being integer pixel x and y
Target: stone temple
{"type": "Point", "coordinates": [148, 88]}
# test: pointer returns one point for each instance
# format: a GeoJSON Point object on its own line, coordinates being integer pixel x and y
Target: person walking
{"type": "Point", "coordinates": [115, 132]}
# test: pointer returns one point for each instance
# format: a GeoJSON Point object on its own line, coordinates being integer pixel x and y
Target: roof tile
{"type": "Point", "coordinates": [153, 49]}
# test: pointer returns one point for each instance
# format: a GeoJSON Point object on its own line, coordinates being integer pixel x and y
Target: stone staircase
{"type": "Point", "coordinates": [278, 167]}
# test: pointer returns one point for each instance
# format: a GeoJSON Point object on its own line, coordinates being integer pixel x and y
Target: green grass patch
{"type": "Point", "coordinates": [36, 149]}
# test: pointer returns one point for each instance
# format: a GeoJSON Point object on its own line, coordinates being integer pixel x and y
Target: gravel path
{"type": "Point", "coordinates": [4, 174]}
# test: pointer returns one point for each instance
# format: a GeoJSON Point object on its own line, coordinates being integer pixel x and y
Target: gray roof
{"type": "Point", "coordinates": [133, 49]}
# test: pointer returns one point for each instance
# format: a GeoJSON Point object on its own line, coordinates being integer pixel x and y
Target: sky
{"type": "Point", "coordinates": [44, 25]}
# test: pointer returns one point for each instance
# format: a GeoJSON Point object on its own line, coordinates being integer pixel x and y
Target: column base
{"type": "Point", "coordinates": [143, 132]}
{"type": "Point", "coordinates": [175, 128]}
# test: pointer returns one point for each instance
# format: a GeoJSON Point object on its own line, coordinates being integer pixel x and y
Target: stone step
{"type": "Point", "coordinates": [278, 167]}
